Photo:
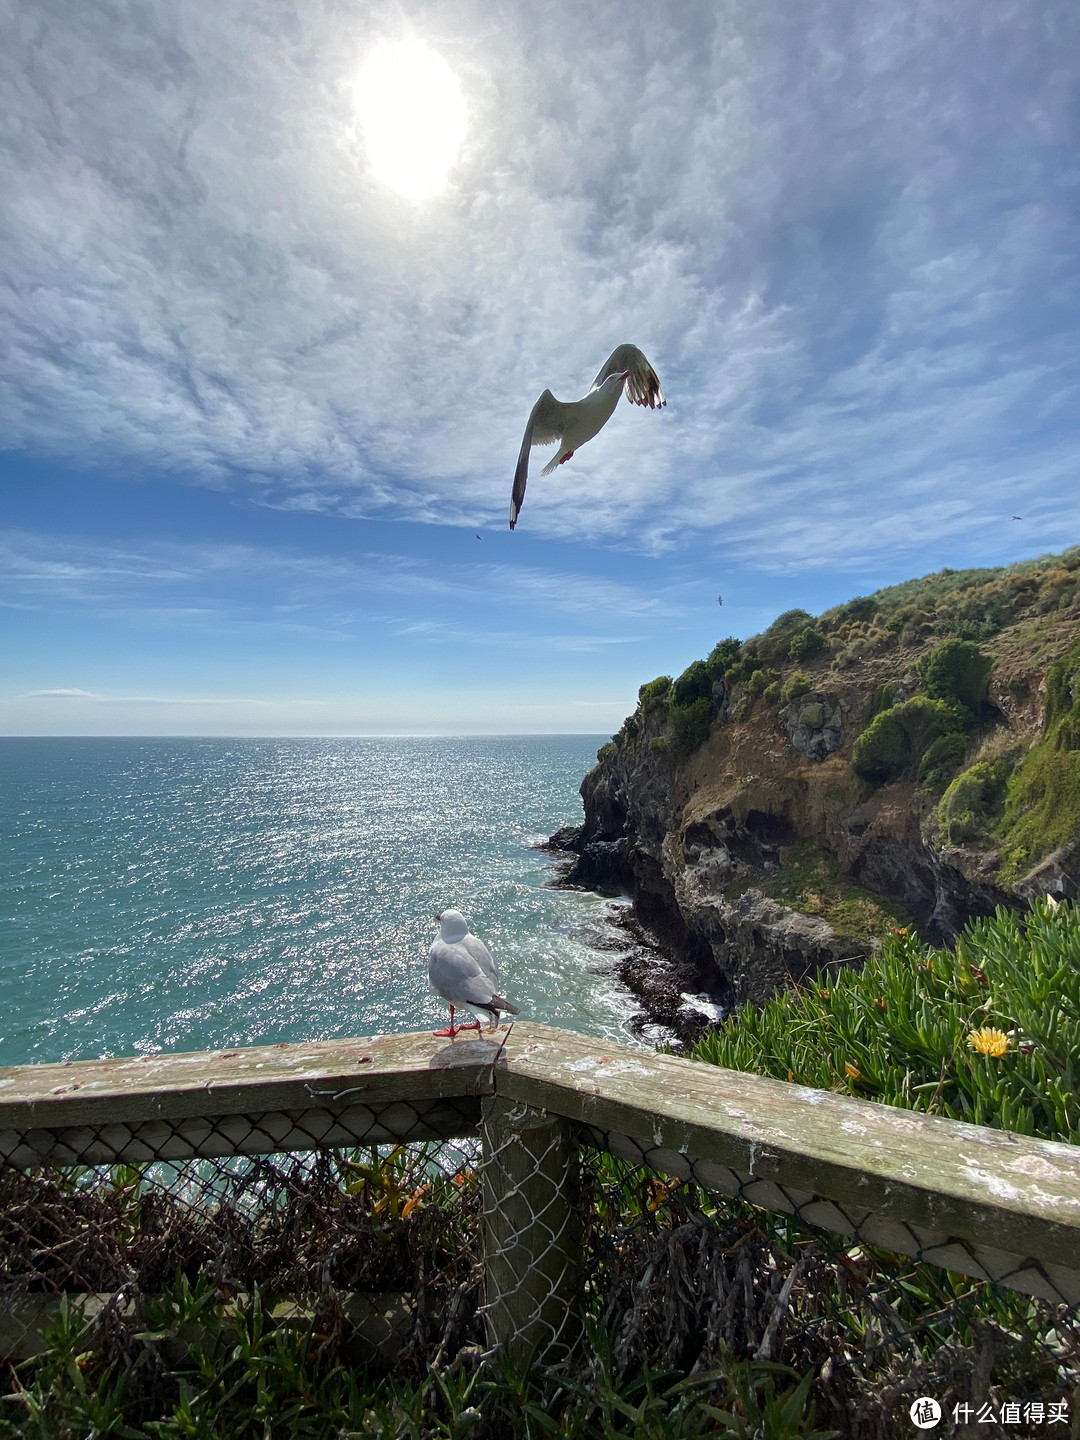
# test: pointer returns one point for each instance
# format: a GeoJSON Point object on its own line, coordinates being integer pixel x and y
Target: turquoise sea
{"type": "Point", "coordinates": [182, 894]}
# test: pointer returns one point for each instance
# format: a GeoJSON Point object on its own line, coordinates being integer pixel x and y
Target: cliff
{"type": "Point", "coordinates": [909, 759]}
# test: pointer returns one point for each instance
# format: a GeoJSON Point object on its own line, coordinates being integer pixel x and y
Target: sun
{"type": "Point", "coordinates": [412, 115]}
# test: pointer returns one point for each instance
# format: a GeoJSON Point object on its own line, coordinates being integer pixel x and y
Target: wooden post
{"type": "Point", "coordinates": [532, 1231]}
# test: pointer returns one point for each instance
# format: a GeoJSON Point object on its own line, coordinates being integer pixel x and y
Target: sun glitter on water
{"type": "Point", "coordinates": [412, 115]}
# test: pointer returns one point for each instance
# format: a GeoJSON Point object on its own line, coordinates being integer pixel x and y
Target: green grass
{"type": "Point", "coordinates": [812, 882]}
{"type": "Point", "coordinates": [903, 1024]}
{"type": "Point", "coordinates": [1042, 806]}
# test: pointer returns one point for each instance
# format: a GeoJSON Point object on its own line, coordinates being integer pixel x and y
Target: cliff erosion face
{"type": "Point", "coordinates": [759, 853]}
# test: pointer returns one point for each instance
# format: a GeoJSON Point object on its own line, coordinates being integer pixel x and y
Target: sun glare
{"type": "Point", "coordinates": [412, 115]}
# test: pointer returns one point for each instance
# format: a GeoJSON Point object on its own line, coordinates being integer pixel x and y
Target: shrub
{"type": "Point", "coordinates": [941, 758]}
{"type": "Point", "coordinates": [795, 685]}
{"type": "Point", "coordinates": [973, 800]}
{"type": "Point", "coordinates": [774, 643]}
{"type": "Point", "coordinates": [882, 698]}
{"type": "Point", "coordinates": [806, 644]}
{"type": "Point", "coordinates": [902, 1022]}
{"type": "Point", "coordinates": [606, 751]}
{"type": "Point", "coordinates": [757, 682]}
{"type": "Point", "coordinates": [895, 741]}
{"type": "Point", "coordinates": [1042, 808]}
{"type": "Point", "coordinates": [722, 656]}
{"type": "Point", "coordinates": [771, 695]}
{"type": "Point", "coordinates": [654, 690]}
{"type": "Point", "coordinates": [690, 726]}
{"type": "Point", "coordinates": [956, 670]}
{"type": "Point", "coordinates": [695, 683]}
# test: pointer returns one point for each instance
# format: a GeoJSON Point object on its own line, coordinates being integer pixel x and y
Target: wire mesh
{"type": "Point", "coordinates": [410, 1236]}
{"type": "Point", "coordinates": [532, 1231]}
{"type": "Point", "coordinates": [376, 1243]}
{"type": "Point", "coordinates": [689, 1279]}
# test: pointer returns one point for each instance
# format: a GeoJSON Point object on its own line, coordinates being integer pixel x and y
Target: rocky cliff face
{"type": "Point", "coordinates": [731, 812]}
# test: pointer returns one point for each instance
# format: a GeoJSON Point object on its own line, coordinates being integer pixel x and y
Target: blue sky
{"type": "Point", "coordinates": [256, 406]}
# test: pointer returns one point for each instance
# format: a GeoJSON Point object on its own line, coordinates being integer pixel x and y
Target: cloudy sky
{"type": "Point", "coordinates": [259, 409]}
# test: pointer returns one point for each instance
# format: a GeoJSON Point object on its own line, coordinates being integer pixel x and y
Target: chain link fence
{"type": "Point", "coordinates": [420, 1233]}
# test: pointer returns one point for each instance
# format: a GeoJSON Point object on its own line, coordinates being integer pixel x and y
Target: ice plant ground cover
{"type": "Point", "coordinates": [987, 1032]}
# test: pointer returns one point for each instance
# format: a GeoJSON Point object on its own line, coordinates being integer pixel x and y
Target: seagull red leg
{"type": "Point", "coordinates": [451, 1030]}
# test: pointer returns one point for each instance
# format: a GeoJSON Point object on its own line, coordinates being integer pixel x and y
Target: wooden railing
{"type": "Point", "coordinates": [982, 1202]}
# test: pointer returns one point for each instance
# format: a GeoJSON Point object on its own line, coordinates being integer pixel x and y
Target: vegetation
{"type": "Point", "coordinates": [973, 802]}
{"type": "Point", "coordinates": [654, 690]}
{"type": "Point", "coordinates": [900, 1029]}
{"type": "Point", "coordinates": [695, 683]}
{"type": "Point", "coordinates": [807, 643]}
{"type": "Point", "coordinates": [795, 685]}
{"type": "Point", "coordinates": [812, 882]}
{"type": "Point", "coordinates": [896, 740]}
{"type": "Point", "coordinates": [689, 727]}
{"type": "Point", "coordinates": [1042, 809]}
{"type": "Point", "coordinates": [956, 671]}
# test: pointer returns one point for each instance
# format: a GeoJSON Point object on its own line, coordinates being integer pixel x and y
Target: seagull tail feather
{"type": "Point", "coordinates": [498, 1003]}
{"type": "Point", "coordinates": [553, 463]}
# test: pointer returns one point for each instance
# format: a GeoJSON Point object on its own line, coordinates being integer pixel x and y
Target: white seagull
{"type": "Point", "coordinates": [462, 971]}
{"type": "Point", "coordinates": [569, 423]}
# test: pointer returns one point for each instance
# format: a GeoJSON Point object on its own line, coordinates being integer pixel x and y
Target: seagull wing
{"type": "Point", "coordinates": [456, 975]}
{"type": "Point", "coordinates": [482, 955]}
{"type": "Point", "coordinates": [642, 384]}
{"type": "Point", "coordinates": [547, 424]}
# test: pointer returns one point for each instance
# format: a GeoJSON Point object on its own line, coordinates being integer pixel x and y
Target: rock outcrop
{"type": "Point", "coordinates": [758, 856]}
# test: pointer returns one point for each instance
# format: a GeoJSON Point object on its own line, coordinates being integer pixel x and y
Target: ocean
{"type": "Point", "coordinates": [185, 894]}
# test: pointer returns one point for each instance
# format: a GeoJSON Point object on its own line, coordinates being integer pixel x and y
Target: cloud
{"type": "Point", "coordinates": [59, 695]}
{"type": "Point", "coordinates": [230, 588]}
{"type": "Point", "coordinates": [844, 237]}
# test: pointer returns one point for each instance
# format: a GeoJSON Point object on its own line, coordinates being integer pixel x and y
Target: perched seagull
{"type": "Point", "coordinates": [462, 971]}
{"type": "Point", "coordinates": [569, 423]}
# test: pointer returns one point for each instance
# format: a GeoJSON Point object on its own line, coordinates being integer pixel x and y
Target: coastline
{"type": "Point", "coordinates": [675, 992]}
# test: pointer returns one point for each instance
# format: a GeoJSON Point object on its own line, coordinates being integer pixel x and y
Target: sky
{"type": "Point", "coordinates": [261, 401]}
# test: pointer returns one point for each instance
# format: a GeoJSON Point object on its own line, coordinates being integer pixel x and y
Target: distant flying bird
{"type": "Point", "coordinates": [462, 971]}
{"type": "Point", "coordinates": [719, 599]}
{"type": "Point", "coordinates": [569, 423]}
{"type": "Point", "coordinates": [478, 537]}
{"type": "Point", "coordinates": [1017, 517]}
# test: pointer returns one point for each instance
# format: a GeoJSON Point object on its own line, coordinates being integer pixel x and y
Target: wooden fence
{"type": "Point", "coordinates": [983, 1202]}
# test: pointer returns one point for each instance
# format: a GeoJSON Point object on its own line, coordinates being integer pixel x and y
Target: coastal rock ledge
{"type": "Point", "coordinates": [754, 850]}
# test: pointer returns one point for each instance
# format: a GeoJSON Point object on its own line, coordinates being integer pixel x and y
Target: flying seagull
{"type": "Point", "coordinates": [569, 423]}
{"type": "Point", "coordinates": [462, 971]}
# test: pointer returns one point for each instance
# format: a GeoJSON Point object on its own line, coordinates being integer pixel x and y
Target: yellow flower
{"type": "Point", "coordinates": [852, 1073]}
{"type": "Point", "coordinates": [989, 1041]}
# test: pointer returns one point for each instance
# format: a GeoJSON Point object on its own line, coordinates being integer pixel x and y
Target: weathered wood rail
{"type": "Point", "coordinates": [982, 1202]}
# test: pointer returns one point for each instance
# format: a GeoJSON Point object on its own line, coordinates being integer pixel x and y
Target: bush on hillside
{"type": "Point", "coordinates": [973, 801]}
{"type": "Point", "coordinates": [695, 683]}
{"type": "Point", "coordinates": [722, 656]}
{"type": "Point", "coordinates": [654, 690]}
{"type": "Point", "coordinates": [806, 644]}
{"type": "Point", "coordinates": [956, 670]}
{"type": "Point", "coordinates": [775, 643]}
{"type": "Point", "coordinates": [1042, 809]}
{"type": "Point", "coordinates": [795, 685]}
{"type": "Point", "coordinates": [895, 741]}
{"type": "Point", "coordinates": [941, 758]}
{"type": "Point", "coordinates": [689, 727]}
